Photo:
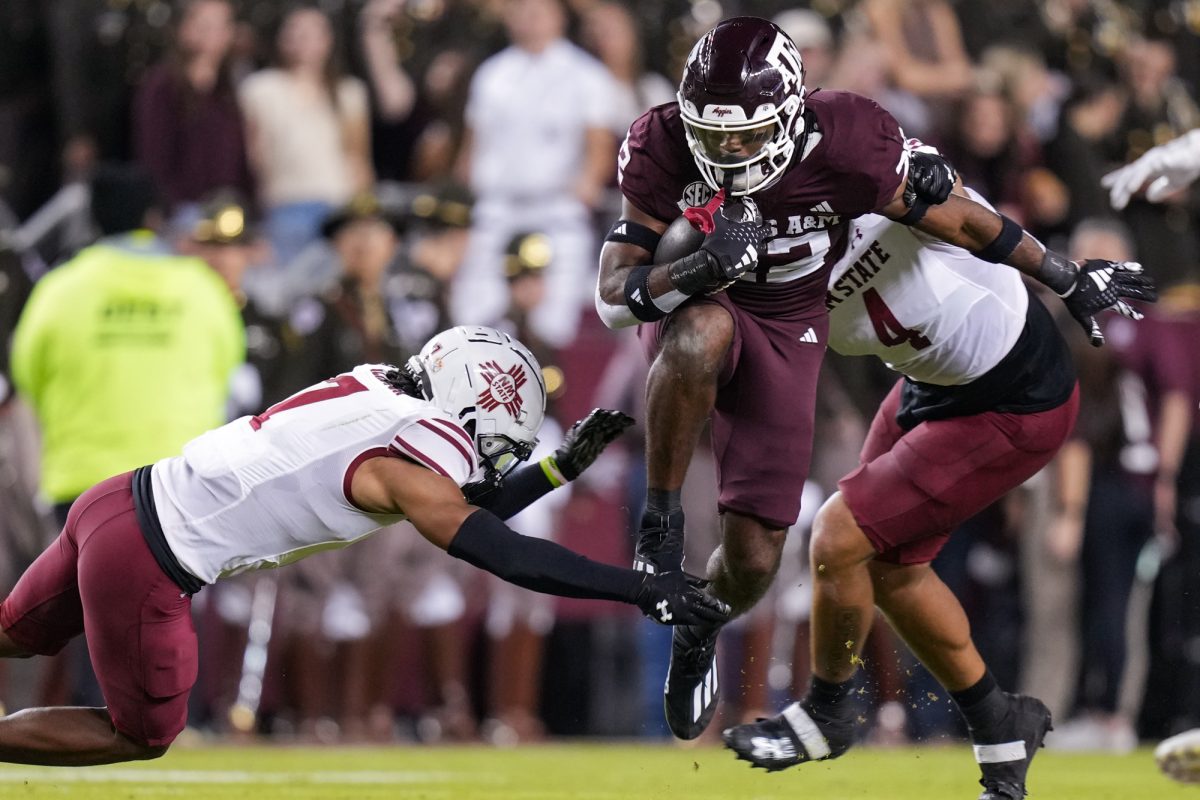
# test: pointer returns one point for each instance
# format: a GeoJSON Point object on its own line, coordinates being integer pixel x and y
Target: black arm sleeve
{"type": "Point", "coordinates": [486, 542]}
{"type": "Point", "coordinates": [519, 491]}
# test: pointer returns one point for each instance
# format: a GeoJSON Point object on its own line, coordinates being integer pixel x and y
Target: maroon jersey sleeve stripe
{"type": "Point", "coordinates": [415, 454]}
{"type": "Point", "coordinates": [457, 440]}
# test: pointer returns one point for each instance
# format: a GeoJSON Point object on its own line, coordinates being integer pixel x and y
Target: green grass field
{"type": "Point", "coordinates": [583, 772]}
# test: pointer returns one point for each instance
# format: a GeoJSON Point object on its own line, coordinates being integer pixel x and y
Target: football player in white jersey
{"type": "Point", "coordinates": [322, 469]}
{"type": "Point", "coordinates": [988, 396]}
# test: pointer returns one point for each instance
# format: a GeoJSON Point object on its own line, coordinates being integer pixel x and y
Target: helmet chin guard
{"type": "Point", "coordinates": [742, 104]}
{"type": "Point", "coordinates": [490, 384]}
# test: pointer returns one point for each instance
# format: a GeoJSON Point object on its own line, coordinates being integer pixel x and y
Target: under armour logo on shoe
{"type": "Point", "coordinates": [664, 611]}
{"type": "Point", "coordinates": [773, 749]}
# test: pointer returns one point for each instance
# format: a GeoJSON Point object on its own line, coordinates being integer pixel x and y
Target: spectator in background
{"type": "Point", "coordinates": [188, 129]}
{"type": "Point", "coordinates": [989, 149]}
{"type": "Point", "coordinates": [355, 320]}
{"type": "Point", "coordinates": [224, 238]}
{"type": "Point", "coordinates": [99, 51]}
{"type": "Point", "coordinates": [1172, 699]}
{"type": "Point", "coordinates": [308, 131]}
{"type": "Point", "coordinates": [1133, 427]}
{"type": "Point", "coordinates": [1159, 109]}
{"type": "Point", "coordinates": [1076, 153]}
{"type": "Point", "coordinates": [124, 353]}
{"type": "Point", "coordinates": [610, 34]}
{"type": "Point", "coordinates": [518, 620]}
{"type": "Point", "coordinates": [539, 153]}
{"type": "Point", "coordinates": [810, 33]}
{"type": "Point", "coordinates": [925, 54]}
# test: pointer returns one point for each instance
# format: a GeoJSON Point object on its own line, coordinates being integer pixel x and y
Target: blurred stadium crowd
{"type": "Point", "coordinates": [361, 175]}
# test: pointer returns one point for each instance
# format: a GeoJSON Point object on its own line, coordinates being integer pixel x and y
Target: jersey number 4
{"type": "Point", "coordinates": [340, 386]}
{"type": "Point", "coordinates": [887, 327]}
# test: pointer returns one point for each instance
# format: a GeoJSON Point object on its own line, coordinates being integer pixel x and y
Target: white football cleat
{"type": "Point", "coordinates": [1179, 756]}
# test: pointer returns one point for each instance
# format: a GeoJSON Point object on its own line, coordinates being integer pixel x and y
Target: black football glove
{"type": "Point", "coordinates": [734, 235]}
{"type": "Point", "coordinates": [587, 438]}
{"type": "Point", "coordinates": [676, 598]}
{"type": "Point", "coordinates": [1098, 285]}
{"type": "Point", "coordinates": [930, 178]}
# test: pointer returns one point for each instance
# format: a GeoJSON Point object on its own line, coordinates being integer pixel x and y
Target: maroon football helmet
{"type": "Point", "coordinates": [742, 103]}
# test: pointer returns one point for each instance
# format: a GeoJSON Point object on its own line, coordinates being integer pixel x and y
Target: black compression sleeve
{"type": "Point", "coordinates": [520, 489]}
{"type": "Point", "coordinates": [486, 542]}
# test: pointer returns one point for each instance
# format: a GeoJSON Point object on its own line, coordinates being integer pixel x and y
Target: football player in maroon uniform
{"type": "Point", "coordinates": [737, 329]}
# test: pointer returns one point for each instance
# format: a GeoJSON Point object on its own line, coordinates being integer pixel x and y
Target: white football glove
{"type": "Point", "coordinates": [1166, 168]}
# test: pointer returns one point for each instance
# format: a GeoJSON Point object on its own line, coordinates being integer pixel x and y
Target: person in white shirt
{"type": "Point", "coordinates": [308, 132]}
{"type": "Point", "coordinates": [320, 470]}
{"type": "Point", "coordinates": [539, 151]}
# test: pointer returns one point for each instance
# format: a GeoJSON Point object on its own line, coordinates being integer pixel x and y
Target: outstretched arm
{"type": "Point", "coordinates": [436, 508]}
{"type": "Point", "coordinates": [1086, 288]}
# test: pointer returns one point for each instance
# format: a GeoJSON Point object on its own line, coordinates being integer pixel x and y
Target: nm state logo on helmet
{"type": "Point", "coordinates": [503, 387]}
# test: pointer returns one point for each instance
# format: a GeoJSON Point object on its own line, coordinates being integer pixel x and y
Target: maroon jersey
{"type": "Point", "coordinates": [853, 160]}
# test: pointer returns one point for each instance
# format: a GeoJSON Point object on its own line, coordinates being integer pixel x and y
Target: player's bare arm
{"type": "Point", "coordinates": [1086, 288]}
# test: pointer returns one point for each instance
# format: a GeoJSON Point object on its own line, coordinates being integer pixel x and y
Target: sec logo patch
{"type": "Point", "coordinates": [696, 193]}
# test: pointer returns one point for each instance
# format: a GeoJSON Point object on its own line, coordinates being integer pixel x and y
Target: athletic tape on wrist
{"type": "Point", "coordinates": [1006, 241]}
{"type": "Point", "coordinates": [1058, 273]}
{"type": "Point", "coordinates": [625, 231]}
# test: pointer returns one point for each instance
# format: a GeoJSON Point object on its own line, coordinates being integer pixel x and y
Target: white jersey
{"type": "Point", "coordinates": [908, 298]}
{"type": "Point", "coordinates": [270, 489]}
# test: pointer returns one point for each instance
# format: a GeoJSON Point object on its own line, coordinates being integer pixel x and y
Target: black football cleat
{"type": "Point", "coordinates": [1005, 751]}
{"type": "Point", "coordinates": [800, 733]}
{"type": "Point", "coordinates": [659, 546]}
{"type": "Point", "coordinates": [691, 693]}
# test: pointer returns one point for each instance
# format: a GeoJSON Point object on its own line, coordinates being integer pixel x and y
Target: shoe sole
{"type": "Point", "coordinates": [1179, 757]}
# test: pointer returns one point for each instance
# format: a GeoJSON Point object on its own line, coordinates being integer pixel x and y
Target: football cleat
{"type": "Point", "coordinates": [659, 546]}
{"type": "Point", "coordinates": [692, 690]}
{"type": "Point", "coordinates": [802, 732]}
{"type": "Point", "coordinates": [1179, 756]}
{"type": "Point", "coordinates": [1005, 751]}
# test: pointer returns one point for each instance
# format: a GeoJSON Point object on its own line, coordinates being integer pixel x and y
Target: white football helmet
{"type": "Point", "coordinates": [491, 385]}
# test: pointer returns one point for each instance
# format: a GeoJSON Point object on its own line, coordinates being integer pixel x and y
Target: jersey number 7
{"type": "Point", "coordinates": [340, 386]}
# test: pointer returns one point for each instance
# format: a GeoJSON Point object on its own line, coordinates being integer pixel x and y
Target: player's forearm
{"type": "Point", "coordinates": [992, 237]}
{"type": "Point", "coordinates": [619, 284]}
{"type": "Point", "coordinates": [487, 543]}
{"type": "Point", "coordinates": [520, 490]}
